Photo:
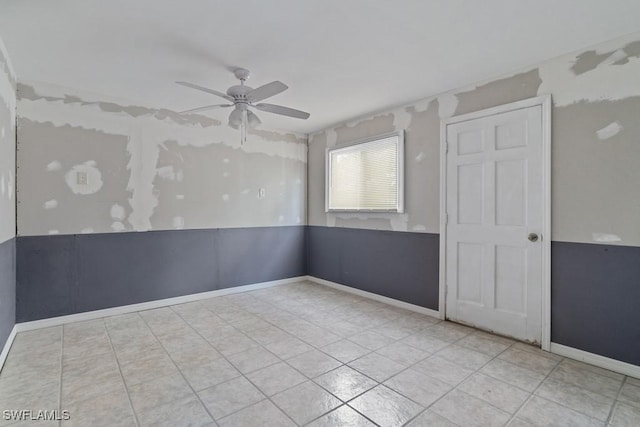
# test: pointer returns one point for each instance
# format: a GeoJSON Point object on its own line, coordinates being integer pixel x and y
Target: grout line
{"type": "Point", "coordinates": [124, 383]}
{"type": "Point", "coordinates": [326, 301]}
{"type": "Point", "coordinates": [378, 383]}
{"type": "Point", "coordinates": [453, 388]}
{"type": "Point", "coordinates": [241, 373]}
{"type": "Point", "coordinates": [533, 394]}
{"type": "Point", "coordinates": [381, 383]}
{"type": "Point", "coordinates": [616, 400]}
{"type": "Point", "coordinates": [176, 365]}
{"type": "Point", "coordinates": [285, 361]}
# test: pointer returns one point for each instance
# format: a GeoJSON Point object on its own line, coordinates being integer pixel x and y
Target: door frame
{"type": "Point", "coordinates": [545, 102]}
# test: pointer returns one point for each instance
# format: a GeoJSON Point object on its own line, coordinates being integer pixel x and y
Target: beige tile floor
{"type": "Point", "coordinates": [301, 354]}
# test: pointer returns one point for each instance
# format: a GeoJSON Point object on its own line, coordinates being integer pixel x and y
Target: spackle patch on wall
{"type": "Point", "coordinates": [606, 238]}
{"type": "Point", "coordinates": [84, 179]}
{"type": "Point", "coordinates": [594, 75]}
{"type": "Point", "coordinates": [178, 222]}
{"type": "Point", "coordinates": [117, 212]}
{"type": "Point", "coordinates": [498, 92]}
{"type": "Point", "coordinates": [359, 129]}
{"type": "Point", "coordinates": [609, 131]}
{"type": "Point", "coordinates": [6, 185]}
{"type": "Point", "coordinates": [591, 59]}
{"type": "Point", "coordinates": [134, 112]}
{"type": "Point", "coordinates": [54, 166]}
{"type": "Point", "coordinates": [50, 204]}
{"type": "Point", "coordinates": [84, 170]}
{"type": "Point", "coordinates": [117, 226]}
{"type": "Point", "coordinates": [167, 172]}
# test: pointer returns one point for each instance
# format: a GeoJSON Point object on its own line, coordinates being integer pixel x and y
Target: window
{"type": "Point", "coordinates": [366, 176]}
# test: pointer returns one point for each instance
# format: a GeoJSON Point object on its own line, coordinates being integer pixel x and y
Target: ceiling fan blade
{"type": "Point", "coordinates": [204, 89]}
{"type": "Point", "coordinates": [208, 107]}
{"type": "Point", "coordinates": [266, 91]}
{"type": "Point", "coordinates": [285, 111]}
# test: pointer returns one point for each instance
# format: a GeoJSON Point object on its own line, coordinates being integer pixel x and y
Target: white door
{"type": "Point", "coordinates": [495, 213]}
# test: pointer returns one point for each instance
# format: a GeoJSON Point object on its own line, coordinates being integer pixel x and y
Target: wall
{"type": "Point", "coordinates": [595, 186]}
{"type": "Point", "coordinates": [7, 196]}
{"type": "Point", "coordinates": [146, 169]}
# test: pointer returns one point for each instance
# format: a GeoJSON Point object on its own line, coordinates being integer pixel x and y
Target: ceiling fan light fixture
{"type": "Point", "coordinates": [235, 119]}
{"type": "Point", "coordinates": [244, 97]}
{"type": "Point", "coordinates": [253, 120]}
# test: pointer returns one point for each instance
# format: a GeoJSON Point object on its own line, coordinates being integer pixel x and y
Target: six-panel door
{"type": "Point", "coordinates": [495, 212]}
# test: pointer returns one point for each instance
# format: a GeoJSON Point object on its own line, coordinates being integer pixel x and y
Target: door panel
{"type": "Point", "coordinates": [510, 273]}
{"type": "Point", "coordinates": [493, 201]}
{"type": "Point", "coordinates": [470, 189]}
{"type": "Point", "coordinates": [471, 142]}
{"type": "Point", "coordinates": [470, 261]}
{"type": "Point", "coordinates": [510, 192]}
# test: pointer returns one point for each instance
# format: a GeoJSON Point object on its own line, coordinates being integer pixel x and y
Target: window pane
{"type": "Point", "coordinates": [365, 176]}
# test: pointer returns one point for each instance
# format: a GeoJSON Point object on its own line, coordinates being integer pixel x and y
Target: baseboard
{"type": "Point", "coordinates": [376, 297]}
{"type": "Point", "coordinates": [124, 309]}
{"type": "Point", "coordinates": [7, 347]}
{"type": "Point", "coordinates": [596, 360]}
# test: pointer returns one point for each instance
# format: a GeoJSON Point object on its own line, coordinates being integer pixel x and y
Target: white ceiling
{"type": "Point", "coordinates": [341, 59]}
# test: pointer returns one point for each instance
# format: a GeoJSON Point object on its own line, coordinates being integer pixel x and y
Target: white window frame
{"type": "Point", "coordinates": [353, 146]}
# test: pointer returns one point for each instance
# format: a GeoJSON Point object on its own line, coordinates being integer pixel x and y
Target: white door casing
{"type": "Point", "coordinates": [495, 195]}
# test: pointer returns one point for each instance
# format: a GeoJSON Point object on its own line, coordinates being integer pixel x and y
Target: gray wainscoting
{"type": "Point", "coordinates": [7, 289]}
{"type": "Point", "coordinates": [595, 288]}
{"type": "Point", "coordinates": [395, 264]}
{"type": "Point", "coordinates": [595, 299]}
{"type": "Point", "coordinates": [66, 274]}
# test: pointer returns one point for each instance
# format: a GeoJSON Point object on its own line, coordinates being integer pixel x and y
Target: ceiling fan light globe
{"type": "Point", "coordinates": [253, 120]}
{"type": "Point", "coordinates": [235, 118]}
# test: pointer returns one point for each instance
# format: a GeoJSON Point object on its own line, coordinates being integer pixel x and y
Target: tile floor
{"type": "Point", "coordinates": [301, 354]}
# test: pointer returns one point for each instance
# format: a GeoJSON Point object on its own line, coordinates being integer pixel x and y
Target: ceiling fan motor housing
{"type": "Point", "coordinates": [239, 92]}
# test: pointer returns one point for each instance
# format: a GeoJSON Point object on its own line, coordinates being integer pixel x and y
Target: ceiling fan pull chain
{"type": "Point", "coordinates": [243, 137]}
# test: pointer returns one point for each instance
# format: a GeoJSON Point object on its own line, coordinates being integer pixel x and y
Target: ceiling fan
{"type": "Point", "coordinates": [244, 97]}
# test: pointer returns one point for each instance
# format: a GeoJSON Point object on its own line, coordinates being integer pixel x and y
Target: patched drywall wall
{"type": "Point", "coordinates": [421, 125]}
{"type": "Point", "coordinates": [7, 147]}
{"type": "Point", "coordinates": [595, 146]}
{"type": "Point", "coordinates": [7, 197]}
{"type": "Point", "coordinates": [89, 164]}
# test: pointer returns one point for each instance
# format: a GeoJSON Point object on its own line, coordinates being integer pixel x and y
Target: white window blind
{"type": "Point", "coordinates": [366, 176]}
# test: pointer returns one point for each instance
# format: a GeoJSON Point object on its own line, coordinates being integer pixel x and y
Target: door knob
{"type": "Point", "coordinates": [533, 237]}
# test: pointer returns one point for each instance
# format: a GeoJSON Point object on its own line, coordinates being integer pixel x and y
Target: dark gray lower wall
{"type": "Point", "coordinates": [595, 288]}
{"type": "Point", "coordinates": [67, 274]}
{"type": "Point", "coordinates": [399, 265]}
{"type": "Point", "coordinates": [595, 299]}
{"type": "Point", "coordinates": [7, 289]}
